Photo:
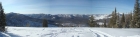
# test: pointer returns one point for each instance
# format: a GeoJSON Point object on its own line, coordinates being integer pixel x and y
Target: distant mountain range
{"type": "Point", "coordinates": [35, 20]}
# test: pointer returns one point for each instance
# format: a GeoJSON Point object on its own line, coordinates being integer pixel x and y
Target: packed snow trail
{"type": "Point", "coordinates": [77, 32]}
{"type": "Point", "coordinates": [69, 32]}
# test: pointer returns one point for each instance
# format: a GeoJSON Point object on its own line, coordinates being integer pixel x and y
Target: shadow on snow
{"type": "Point", "coordinates": [6, 34]}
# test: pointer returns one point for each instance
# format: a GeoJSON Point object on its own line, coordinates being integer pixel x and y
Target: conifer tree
{"type": "Point", "coordinates": [105, 23]}
{"type": "Point", "coordinates": [92, 22]}
{"type": "Point", "coordinates": [136, 16]}
{"type": "Point", "coordinates": [45, 23]}
{"type": "Point", "coordinates": [128, 20]}
{"type": "Point", "coordinates": [123, 21]}
{"type": "Point", "coordinates": [131, 25]}
{"type": "Point", "coordinates": [2, 18]}
{"type": "Point", "coordinates": [118, 21]}
{"type": "Point", "coordinates": [113, 20]}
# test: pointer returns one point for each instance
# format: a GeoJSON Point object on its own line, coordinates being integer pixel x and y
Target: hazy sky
{"type": "Point", "coordinates": [67, 6]}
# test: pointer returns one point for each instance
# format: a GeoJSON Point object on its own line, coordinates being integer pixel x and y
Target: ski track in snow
{"type": "Point", "coordinates": [77, 33]}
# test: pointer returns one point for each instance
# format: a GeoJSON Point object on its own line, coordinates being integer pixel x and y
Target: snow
{"type": "Point", "coordinates": [100, 23]}
{"type": "Point", "coordinates": [53, 17]}
{"type": "Point", "coordinates": [70, 32]}
{"type": "Point", "coordinates": [100, 16]}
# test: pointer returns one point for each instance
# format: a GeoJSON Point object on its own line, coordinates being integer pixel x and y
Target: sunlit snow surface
{"type": "Point", "coordinates": [69, 32]}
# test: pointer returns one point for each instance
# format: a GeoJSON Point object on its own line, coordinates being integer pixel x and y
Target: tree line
{"type": "Point", "coordinates": [131, 20]}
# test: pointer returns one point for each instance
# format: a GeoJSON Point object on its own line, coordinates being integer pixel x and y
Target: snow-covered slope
{"type": "Point", "coordinates": [69, 32]}
{"type": "Point", "coordinates": [35, 20]}
{"type": "Point", "coordinates": [97, 16]}
{"type": "Point", "coordinates": [101, 16]}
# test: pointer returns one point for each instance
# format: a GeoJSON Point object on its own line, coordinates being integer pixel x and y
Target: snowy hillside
{"type": "Point", "coordinates": [53, 16]}
{"type": "Point", "coordinates": [101, 16]}
{"type": "Point", "coordinates": [69, 32]}
{"type": "Point", "coordinates": [35, 20]}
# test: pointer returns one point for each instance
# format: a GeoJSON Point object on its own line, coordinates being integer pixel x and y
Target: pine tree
{"type": "Point", "coordinates": [131, 21]}
{"type": "Point", "coordinates": [123, 21]}
{"type": "Point", "coordinates": [136, 16]}
{"type": "Point", "coordinates": [118, 21]}
{"type": "Point", "coordinates": [105, 23]}
{"type": "Point", "coordinates": [45, 23]}
{"type": "Point", "coordinates": [2, 18]}
{"type": "Point", "coordinates": [113, 20]}
{"type": "Point", "coordinates": [128, 19]}
{"type": "Point", "coordinates": [92, 22]}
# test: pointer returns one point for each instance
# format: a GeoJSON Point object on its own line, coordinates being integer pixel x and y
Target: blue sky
{"type": "Point", "coordinates": [67, 6]}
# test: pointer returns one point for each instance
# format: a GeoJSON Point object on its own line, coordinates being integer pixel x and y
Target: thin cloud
{"type": "Point", "coordinates": [8, 2]}
{"type": "Point", "coordinates": [24, 6]}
